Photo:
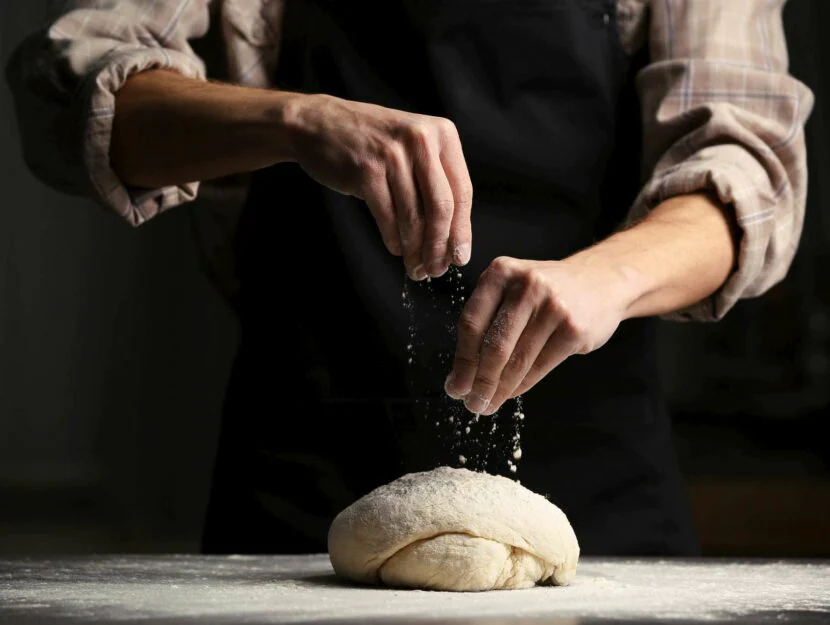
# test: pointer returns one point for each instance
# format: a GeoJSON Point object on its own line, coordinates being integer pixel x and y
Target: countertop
{"type": "Point", "coordinates": [293, 589]}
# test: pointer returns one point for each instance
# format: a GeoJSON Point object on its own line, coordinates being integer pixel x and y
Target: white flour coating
{"type": "Point", "coordinates": [297, 589]}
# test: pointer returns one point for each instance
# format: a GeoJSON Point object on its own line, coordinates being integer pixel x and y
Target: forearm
{"type": "Point", "coordinates": [169, 129]}
{"type": "Point", "coordinates": [679, 254]}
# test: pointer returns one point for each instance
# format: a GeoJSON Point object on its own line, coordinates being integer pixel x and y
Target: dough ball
{"type": "Point", "coordinates": [453, 529]}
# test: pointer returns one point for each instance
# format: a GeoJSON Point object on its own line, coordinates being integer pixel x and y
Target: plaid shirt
{"type": "Point", "coordinates": [720, 111]}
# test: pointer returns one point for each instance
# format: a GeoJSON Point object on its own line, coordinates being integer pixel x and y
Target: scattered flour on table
{"type": "Point", "coordinates": [295, 589]}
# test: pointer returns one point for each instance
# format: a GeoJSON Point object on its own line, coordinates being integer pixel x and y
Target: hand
{"type": "Point", "coordinates": [524, 318]}
{"type": "Point", "coordinates": [408, 168]}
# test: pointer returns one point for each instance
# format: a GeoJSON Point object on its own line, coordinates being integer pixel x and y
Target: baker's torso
{"type": "Point", "coordinates": [540, 92]}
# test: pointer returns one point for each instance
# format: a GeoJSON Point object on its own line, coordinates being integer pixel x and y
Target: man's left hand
{"type": "Point", "coordinates": [524, 318]}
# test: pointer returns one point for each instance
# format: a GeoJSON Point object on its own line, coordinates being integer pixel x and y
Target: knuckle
{"type": "Point", "coordinates": [571, 325]}
{"type": "Point", "coordinates": [496, 349]}
{"type": "Point", "coordinates": [418, 136]}
{"type": "Point", "coordinates": [468, 324]}
{"type": "Point", "coordinates": [441, 208]}
{"type": "Point", "coordinates": [435, 247]}
{"type": "Point", "coordinates": [501, 265]}
{"type": "Point", "coordinates": [393, 154]}
{"type": "Point", "coordinates": [446, 127]}
{"type": "Point", "coordinates": [552, 306]}
{"type": "Point", "coordinates": [371, 171]}
{"type": "Point", "coordinates": [464, 195]}
{"type": "Point", "coordinates": [447, 130]}
{"type": "Point", "coordinates": [464, 362]}
{"type": "Point", "coordinates": [536, 283]}
{"type": "Point", "coordinates": [492, 277]}
{"type": "Point", "coordinates": [493, 339]}
{"type": "Point", "coordinates": [529, 284]}
{"type": "Point", "coordinates": [533, 374]}
{"type": "Point", "coordinates": [485, 382]}
{"type": "Point", "coordinates": [574, 328]}
{"type": "Point", "coordinates": [410, 222]}
{"type": "Point", "coordinates": [518, 363]}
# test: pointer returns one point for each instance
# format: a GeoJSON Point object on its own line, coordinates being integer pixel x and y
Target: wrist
{"type": "Point", "coordinates": [283, 116]}
{"type": "Point", "coordinates": [623, 283]}
{"type": "Point", "coordinates": [294, 123]}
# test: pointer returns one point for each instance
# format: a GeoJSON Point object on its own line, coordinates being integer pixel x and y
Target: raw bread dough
{"type": "Point", "coordinates": [453, 529]}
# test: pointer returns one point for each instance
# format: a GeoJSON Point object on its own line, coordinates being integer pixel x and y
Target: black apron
{"type": "Point", "coordinates": [338, 384]}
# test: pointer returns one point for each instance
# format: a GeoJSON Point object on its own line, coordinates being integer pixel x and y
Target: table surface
{"type": "Point", "coordinates": [294, 589]}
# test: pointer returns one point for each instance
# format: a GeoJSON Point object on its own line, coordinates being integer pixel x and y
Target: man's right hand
{"type": "Point", "coordinates": [408, 168]}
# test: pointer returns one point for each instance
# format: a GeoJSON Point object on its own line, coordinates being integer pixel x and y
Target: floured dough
{"type": "Point", "coordinates": [453, 529]}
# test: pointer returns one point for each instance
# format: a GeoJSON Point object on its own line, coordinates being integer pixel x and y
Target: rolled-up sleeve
{"type": "Point", "coordinates": [721, 114]}
{"type": "Point", "coordinates": [64, 78]}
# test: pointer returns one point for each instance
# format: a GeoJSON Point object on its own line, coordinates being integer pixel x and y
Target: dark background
{"type": "Point", "coordinates": [114, 352]}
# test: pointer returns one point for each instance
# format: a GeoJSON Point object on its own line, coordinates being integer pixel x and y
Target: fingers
{"type": "Point", "coordinates": [445, 191]}
{"type": "Point", "coordinates": [378, 198]}
{"type": "Point", "coordinates": [526, 353]}
{"type": "Point", "coordinates": [408, 213]}
{"type": "Point", "coordinates": [497, 346]}
{"type": "Point", "coordinates": [559, 347]}
{"type": "Point", "coordinates": [513, 332]}
{"type": "Point", "coordinates": [356, 148]}
{"type": "Point", "coordinates": [438, 204]}
{"type": "Point", "coordinates": [475, 320]}
{"type": "Point", "coordinates": [455, 166]}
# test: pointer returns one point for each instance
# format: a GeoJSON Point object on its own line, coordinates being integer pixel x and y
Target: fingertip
{"type": "Point", "coordinates": [476, 403]}
{"type": "Point", "coordinates": [436, 270]}
{"type": "Point", "coordinates": [453, 390]}
{"type": "Point", "coordinates": [448, 387]}
{"type": "Point", "coordinates": [492, 408]}
{"type": "Point", "coordinates": [419, 274]}
{"type": "Point", "coordinates": [461, 254]}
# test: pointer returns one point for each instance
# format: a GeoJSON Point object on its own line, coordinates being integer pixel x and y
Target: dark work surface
{"type": "Point", "coordinates": [292, 589]}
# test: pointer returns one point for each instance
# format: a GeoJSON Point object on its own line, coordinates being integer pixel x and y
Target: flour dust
{"type": "Point", "coordinates": [490, 444]}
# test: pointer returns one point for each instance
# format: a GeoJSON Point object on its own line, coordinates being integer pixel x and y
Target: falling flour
{"type": "Point", "coordinates": [481, 443]}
